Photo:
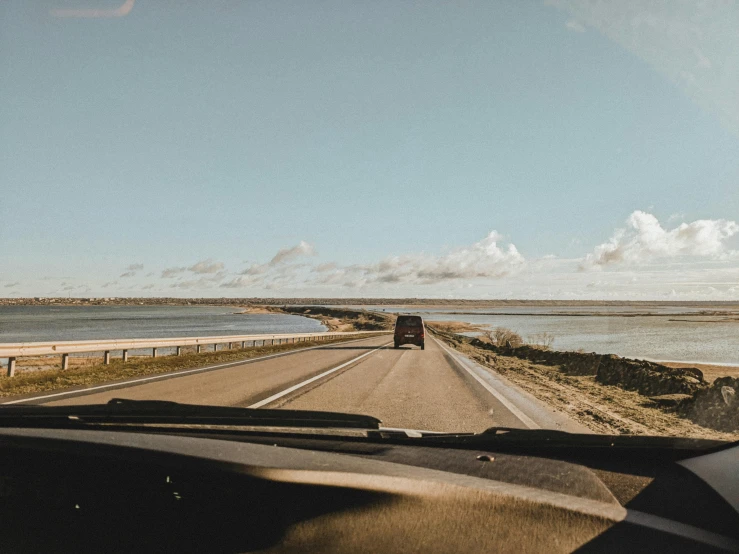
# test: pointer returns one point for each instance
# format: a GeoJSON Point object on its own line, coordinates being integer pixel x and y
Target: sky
{"type": "Point", "coordinates": [470, 149]}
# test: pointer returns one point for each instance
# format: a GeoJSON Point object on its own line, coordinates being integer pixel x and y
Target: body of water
{"type": "Point", "coordinates": [669, 333]}
{"type": "Point", "coordinates": [58, 323]}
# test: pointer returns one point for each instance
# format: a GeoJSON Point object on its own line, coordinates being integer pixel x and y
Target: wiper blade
{"type": "Point", "coordinates": [124, 411]}
{"type": "Point", "coordinates": [553, 438]}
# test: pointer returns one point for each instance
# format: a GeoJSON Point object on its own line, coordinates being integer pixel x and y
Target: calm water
{"type": "Point", "coordinates": [676, 333]}
{"type": "Point", "coordinates": [48, 323]}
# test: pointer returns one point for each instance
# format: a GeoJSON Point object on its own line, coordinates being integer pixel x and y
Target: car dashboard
{"type": "Point", "coordinates": [113, 491]}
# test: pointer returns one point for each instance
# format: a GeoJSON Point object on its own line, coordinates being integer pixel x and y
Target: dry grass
{"type": "Point", "coordinates": [91, 371]}
{"type": "Point", "coordinates": [454, 326]}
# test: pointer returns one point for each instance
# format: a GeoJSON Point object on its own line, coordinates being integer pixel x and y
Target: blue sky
{"type": "Point", "coordinates": [175, 149]}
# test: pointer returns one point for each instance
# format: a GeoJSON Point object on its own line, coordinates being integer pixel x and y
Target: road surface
{"type": "Point", "coordinates": [433, 389]}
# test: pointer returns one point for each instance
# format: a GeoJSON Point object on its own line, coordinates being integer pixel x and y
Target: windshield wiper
{"type": "Point", "coordinates": [553, 438]}
{"type": "Point", "coordinates": [125, 411]}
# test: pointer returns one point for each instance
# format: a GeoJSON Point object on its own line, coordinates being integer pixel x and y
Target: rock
{"type": "Point", "coordinates": [644, 377]}
{"type": "Point", "coordinates": [670, 400]}
{"type": "Point", "coordinates": [728, 393]}
{"type": "Point", "coordinates": [715, 406]}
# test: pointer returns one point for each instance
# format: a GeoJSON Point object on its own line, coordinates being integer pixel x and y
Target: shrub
{"type": "Point", "coordinates": [541, 340]}
{"type": "Point", "coordinates": [500, 336]}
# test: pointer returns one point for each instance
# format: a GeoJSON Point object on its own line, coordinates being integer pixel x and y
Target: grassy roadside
{"type": "Point", "coordinates": [605, 409]}
{"type": "Point", "coordinates": [33, 382]}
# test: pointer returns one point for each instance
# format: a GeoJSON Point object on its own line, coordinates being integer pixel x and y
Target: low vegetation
{"type": "Point", "coordinates": [607, 393]}
{"type": "Point", "coordinates": [453, 327]}
{"type": "Point", "coordinates": [502, 337]}
{"type": "Point", "coordinates": [91, 373]}
{"type": "Point", "coordinates": [342, 319]}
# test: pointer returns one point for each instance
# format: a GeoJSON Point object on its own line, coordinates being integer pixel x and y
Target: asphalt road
{"type": "Point", "coordinates": [432, 389]}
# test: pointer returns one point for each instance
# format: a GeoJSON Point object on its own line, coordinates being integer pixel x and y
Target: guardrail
{"type": "Point", "coordinates": [12, 351]}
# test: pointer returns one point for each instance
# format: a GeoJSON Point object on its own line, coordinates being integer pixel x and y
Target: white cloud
{"type": "Point", "coordinates": [693, 44]}
{"type": "Point", "coordinates": [171, 272]}
{"type": "Point", "coordinates": [323, 268]}
{"type": "Point", "coordinates": [288, 254]}
{"type": "Point", "coordinates": [127, 274]}
{"type": "Point", "coordinates": [645, 240]}
{"type": "Point", "coordinates": [574, 25]}
{"type": "Point", "coordinates": [206, 266]}
{"type": "Point", "coordinates": [94, 13]}
{"type": "Point", "coordinates": [485, 259]}
{"type": "Point", "coordinates": [256, 269]}
{"type": "Point", "coordinates": [135, 267]}
{"type": "Point", "coordinates": [12, 285]}
{"type": "Point", "coordinates": [202, 283]}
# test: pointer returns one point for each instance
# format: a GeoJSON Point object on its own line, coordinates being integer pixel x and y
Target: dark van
{"type": "Point", "coordinates": [409, 329]}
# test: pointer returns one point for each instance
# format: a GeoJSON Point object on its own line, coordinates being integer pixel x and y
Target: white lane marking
{"type": "Point", "coordinates": [287, 391]}
{"type": "Point", "coordinates": [526, 420]}
{"type": "Point", "coordinates": [125, 384]}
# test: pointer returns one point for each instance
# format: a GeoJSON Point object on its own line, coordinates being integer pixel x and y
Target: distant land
{"type": "Point", "coordinates": [429, 302]}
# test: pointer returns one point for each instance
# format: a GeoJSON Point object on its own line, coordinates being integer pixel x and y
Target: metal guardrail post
{"type": "Point", "coordinates": [124, 356]}
{"type": "Point", "coordinates": [243, 344]}
{"type": "Point", "coordinates": [11, 367]}
{"type": "Point", "coordinates": [106, 357]}
{"type": "Point", "coordinates": [153, 352]}
{"type": "Point", "coordinates": [198, 348]}
{"type": "Point", "coordinates": [178, 351]}
{"type": "Point", "coordinates": [65, 361]}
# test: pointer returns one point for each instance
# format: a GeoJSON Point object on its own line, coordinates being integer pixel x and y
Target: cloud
{"type": "Point", "coordinates": [205, 282]}
{"type": "Point", "coordinates": [12, 285]}
{"type": "Point", "coordinates": [135, 267]}
{"type": "Point", "coordinates": [485, 259]}
{"type": "Point", "coordinates": [323, 268]}
{"type": "Point", "coordinates": [206, 266]}
{"type": "Point", "coordinates": [127, 274]}
{"type": "Point", "coordinates": [645, 240]}
{"type": "Point", "coordinates": [256, 269]}
{"type": "Point", "coordinates": [288, 254]}
{"type": "Point", "coordinates": [693, 44]}
{"type": "Point", "coordinates": [282, 257]}
{"type": "Point", "coordinates": [574, 25]}
{"type": "Point", "coordinates": [172, 272]}
{"type": "Point", "coordinates": [93, 13]}
{"type": "Point", "coordinates": [242, 281]}
{"type": "Point", "coordinates": [109, 284]}
{"type": "Point", "coordinates": [70, 288]}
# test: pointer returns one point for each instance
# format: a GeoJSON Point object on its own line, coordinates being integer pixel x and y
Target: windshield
{"type": "Point", "coordinates": [408, 321]}
{"type": "Point", "coordinates": [445, 216]}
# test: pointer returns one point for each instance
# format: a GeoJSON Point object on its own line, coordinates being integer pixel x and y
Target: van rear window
{"type": "Point", "coordinates": [409, 321]}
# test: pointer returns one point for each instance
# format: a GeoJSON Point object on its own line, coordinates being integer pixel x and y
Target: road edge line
{"type": "Point", "coordinates": [526, 420]}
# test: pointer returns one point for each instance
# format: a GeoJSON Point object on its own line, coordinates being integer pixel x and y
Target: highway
{"type": "Point", "coordinates": [433, 389]}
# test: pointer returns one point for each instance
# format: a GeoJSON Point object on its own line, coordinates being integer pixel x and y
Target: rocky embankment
{"type": "Point", "coordinates": [684, 390]}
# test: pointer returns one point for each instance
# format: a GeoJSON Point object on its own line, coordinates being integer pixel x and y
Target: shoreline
{"type": "Point", "coordinates": [347, 302]}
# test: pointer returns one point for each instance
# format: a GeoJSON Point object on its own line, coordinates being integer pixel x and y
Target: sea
{"type": "Point", "coordinates": [658, 333]}
{"type": "Point", "coordinates": [663, 333]}
{"type": "Point", "coordinates": [61, 323]}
